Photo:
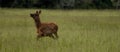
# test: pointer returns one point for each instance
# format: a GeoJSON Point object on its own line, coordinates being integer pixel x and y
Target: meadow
{"type": "Point", "coordinates": [79, 31]}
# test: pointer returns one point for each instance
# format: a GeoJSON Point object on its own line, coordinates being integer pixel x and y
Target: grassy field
{"type": "Point", "coordinates": [79, 31]}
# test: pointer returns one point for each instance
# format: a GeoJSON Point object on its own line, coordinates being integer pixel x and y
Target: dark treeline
{"type": "Point", "coordinates": [61, 4]}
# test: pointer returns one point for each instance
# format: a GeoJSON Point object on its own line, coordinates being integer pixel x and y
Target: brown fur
{"type": "Point", "coordinates": [44, 29]}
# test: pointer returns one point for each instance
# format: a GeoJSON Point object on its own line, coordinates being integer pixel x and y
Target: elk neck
{"type": "Point", "coordinates": [37, 22]}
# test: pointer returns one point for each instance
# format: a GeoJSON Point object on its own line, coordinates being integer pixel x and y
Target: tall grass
{"type": "Point", "coordinates": [79, 31]}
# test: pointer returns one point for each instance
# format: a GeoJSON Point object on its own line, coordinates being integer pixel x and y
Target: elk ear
{"type": "Point", "coordinates": [39, 12]}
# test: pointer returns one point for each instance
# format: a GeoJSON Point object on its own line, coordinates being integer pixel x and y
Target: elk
{"type": "Point", "coordinates": [44, 29]}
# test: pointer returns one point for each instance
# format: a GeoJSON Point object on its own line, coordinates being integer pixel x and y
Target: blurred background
{"type": "Point", "coordinates": [80, 29]}
{"type": "Point", "coordinates": [61, 4]}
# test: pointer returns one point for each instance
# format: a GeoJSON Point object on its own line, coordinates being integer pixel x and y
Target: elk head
{"type": "Point", "coordinates": [35, 15]}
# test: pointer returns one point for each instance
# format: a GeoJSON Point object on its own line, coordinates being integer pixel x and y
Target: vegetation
{"type": "Point", "coordinates": [79, 31]}
{"type": "Point", "coordinates": [61, 4]}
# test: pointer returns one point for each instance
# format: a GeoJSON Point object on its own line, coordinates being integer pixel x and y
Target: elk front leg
{"type": "Point", "coordinates": [40, 34]}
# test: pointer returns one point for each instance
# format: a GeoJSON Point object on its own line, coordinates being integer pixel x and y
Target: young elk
{"type": "Point", "coordinates": [44, 29]}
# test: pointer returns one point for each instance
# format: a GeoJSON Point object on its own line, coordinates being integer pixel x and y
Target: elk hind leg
{"type": "Point", "coordinates": [51, 35]}
{"type": "Point", "coordinates": [56, 35]}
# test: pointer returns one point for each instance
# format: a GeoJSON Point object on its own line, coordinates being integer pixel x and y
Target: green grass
{"type": "Point", "coordinates": [79, 31]}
